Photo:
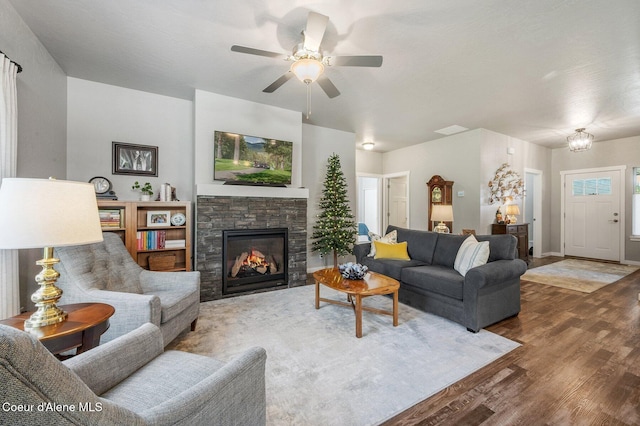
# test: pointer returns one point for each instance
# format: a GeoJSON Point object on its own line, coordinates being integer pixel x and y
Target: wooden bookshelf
{"type": "Point", "coordinates": [143, 241]}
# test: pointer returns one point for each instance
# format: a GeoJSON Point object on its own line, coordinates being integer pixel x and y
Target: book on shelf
{"type": "Point", "coordinates": [175, 244]}
{"type": "Point", "coordinates": [110, 218]}
{"type": "Point", "coordinates": [151, 240]}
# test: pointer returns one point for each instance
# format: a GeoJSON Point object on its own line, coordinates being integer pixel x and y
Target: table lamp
{"type": "Point", "coordinates": [45, 213]}
{"type": "Point", "coordinates": [512, 211]}
{"type": "Point", "coordinates": [442, 213]}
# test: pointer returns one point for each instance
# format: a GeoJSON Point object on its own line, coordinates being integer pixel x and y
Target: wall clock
{"type": "Point", "coordinates": [101, 185]}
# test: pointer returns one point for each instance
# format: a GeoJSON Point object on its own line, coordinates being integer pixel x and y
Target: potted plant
{"type": "Point", "coordinates": [146, 191]}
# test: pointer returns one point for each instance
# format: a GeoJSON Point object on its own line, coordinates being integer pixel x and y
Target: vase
{"type": "Point", "coordinates": [145, 197]}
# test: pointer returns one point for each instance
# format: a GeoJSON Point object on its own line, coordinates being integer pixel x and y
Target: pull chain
{"type": "Point", "coordinates": [308, 100]}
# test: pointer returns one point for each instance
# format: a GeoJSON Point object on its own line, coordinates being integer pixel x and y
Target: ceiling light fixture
{"type": "Point", "coordinates": [307, 70]}
{"type": "Point", "coordinates": [580, 140]}
{"type": "Point", "coordinates": [368, 146]}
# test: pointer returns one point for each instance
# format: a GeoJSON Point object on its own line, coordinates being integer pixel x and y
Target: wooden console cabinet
{"type": "Point", "coordinates": [520, 231]}
{"type": "Point", "coordinates": [130, 223]}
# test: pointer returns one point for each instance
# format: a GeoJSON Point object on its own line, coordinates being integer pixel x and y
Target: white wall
{"type": "Point", "coordinates": [454, 158]}
{"type": "Point", "coordinates": [99, 114]}
{"type": "Point", "coordinates": [619, 152]}
{"type": "Point", "coordinates": [368, 162]}
{"type": "Point", "coordinates": [526, 155]}
{"type": "Point", "coordinates": [42, 111]}
{"type": "Point", "coordinates": [470, 159]}
{"type": "Point", "coordinates": [319, 144]}
{"type": "Point", "coordinates": [217, 112]}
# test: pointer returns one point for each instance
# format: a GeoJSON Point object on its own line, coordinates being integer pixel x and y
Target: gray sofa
{"type": "Point", "coordinates": [128, 381]}
{"type": "Point", "coordinates": [485, 295]}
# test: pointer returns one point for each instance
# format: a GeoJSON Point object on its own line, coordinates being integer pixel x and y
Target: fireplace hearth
{"type": "Point", "coordinates": [254, 259]}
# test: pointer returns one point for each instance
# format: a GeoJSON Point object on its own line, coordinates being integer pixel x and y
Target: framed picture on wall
{"type": "Point", "coordinates": [130, 159]}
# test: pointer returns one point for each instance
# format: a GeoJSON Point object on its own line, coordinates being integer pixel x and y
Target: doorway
{"type": "Point", "coordinates": [593, 219]}
{"type": "Point", "coordinates": [533, 210]}
{"type": "Point", "coordinates": [369, 202]}
{"type": "Point", "coordinates": [397, 200]}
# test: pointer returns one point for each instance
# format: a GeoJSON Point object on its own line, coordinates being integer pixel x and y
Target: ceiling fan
{"type": "Point", "coordinates": [309, 62]}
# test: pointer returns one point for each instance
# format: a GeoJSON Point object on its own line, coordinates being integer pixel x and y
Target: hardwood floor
{"type": "Point", "coordinates": [579, 364]}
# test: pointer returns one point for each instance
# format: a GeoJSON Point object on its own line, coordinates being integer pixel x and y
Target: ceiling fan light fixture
{"type": "Point", "coordinates": [307, 69]}
{"type": "Point", "coordinates": [580, 140]}
{"type": "Point", "coordinates": [368, 146]}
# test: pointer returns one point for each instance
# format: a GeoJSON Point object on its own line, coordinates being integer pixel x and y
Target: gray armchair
{"type": "Point", "coordinates": [105, 272]}
{"type": "Point", "coordinates": [128, 381]}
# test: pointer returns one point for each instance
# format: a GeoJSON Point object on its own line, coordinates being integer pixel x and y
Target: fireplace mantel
{"type": "Point", "coordinates": [213, 189]}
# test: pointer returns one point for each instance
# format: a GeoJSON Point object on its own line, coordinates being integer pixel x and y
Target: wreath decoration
{"type": "Point", "coordinates": [506, 185]}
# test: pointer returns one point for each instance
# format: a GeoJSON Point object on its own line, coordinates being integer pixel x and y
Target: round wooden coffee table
{"type": "Point", "coordinates": [373, 284]}
{"type": "Point", "coordinates": [85, 323]}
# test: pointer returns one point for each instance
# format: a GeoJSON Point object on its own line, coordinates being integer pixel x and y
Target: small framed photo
{"type": "Point", "coordinates": [138, 160]}
{"type": "Point", "coordinates": [158, 218]}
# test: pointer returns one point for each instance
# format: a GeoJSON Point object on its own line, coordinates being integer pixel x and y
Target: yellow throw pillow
{"type": "Point", "coordinates": [391, 251]}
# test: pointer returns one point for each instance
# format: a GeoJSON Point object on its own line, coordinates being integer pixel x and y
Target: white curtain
{"type": "Point", "coordinates": [9, 286]}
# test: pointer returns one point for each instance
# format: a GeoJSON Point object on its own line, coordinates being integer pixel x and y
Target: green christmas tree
{"type": "Point", "coordinates": [335, 230]}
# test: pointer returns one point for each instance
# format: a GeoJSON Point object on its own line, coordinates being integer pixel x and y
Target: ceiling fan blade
{"type": "Point", "coordinates": [316, 26]}
{"type": "Point", "coordinates": [328, 87]}
{"type": "Point", "coordinates": [252, 51]}
{"type": "Point", "coordinates": [355, 61]}
{"type": "Point", "coordinates": [279, 82]}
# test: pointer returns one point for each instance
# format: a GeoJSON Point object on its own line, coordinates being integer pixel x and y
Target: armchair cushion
{"type": "Point", "coordinates": [174, 301]}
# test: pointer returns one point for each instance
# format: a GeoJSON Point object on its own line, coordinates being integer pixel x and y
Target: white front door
{"type": "Point", "coordinates": [592, 215]}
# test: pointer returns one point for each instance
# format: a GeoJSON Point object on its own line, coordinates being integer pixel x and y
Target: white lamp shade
{"type": "Point", "coordinates": [37, 213]}
{"type": "Point", "coordinates": [512, 209]}
{"type": "Point", "coordinates": [307, 70]}
{"type": "Point", "coordinates": [442, 213]}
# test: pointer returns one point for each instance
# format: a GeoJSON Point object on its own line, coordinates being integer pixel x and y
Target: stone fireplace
{"type": "Point", "coordinates": [258, 213]}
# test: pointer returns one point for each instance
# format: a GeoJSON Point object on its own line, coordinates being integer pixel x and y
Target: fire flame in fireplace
{"type": "Point", "coordinates": [255, 259]}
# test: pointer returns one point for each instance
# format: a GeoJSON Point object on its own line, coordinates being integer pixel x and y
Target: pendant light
{"type": "Point", "coordinates": [580, 140]}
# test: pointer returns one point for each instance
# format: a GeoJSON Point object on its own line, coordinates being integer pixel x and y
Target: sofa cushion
{"type": "Point", "coordinates": [391, 251]}
{"type": "Point", "coordinates": [390, 238]}
{"type": "Point", "coordinates": [447, 248]}
{"type": "Point", "coordinates": [500, 247]}
{"type": "Point", "coordinates": [390, 267]}
{"type": "Point", "coordinates": [437, 279]}
{"type": "Point", "coordinates": [420, 244]}
{"type": "Point", "coordinates": [471, 254]}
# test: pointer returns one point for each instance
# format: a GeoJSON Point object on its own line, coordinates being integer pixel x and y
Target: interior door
{"type": "Point", "coordinates": [592, 215]}
{"type": "Point", "coordinates": [397, 213]}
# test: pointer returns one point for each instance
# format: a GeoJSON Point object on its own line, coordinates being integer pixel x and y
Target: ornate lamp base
{"type": "Point", "coordinates": [47, 295]}
{"type": "Point", "coordinates": [442, 228]}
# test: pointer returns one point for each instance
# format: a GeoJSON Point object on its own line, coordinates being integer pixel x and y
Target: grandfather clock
{"type": "Point", "coordinates": [440, 191]}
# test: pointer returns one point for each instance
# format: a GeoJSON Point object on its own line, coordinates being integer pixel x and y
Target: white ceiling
{"type": "Point", "coordinates": [532, 69]}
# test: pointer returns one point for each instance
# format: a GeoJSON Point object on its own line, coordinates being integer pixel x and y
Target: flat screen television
{"type": "Point", "coordinates": [251, 160]}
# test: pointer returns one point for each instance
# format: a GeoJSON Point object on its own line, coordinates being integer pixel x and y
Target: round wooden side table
{"type": "Point", "coordinates": [85, 323]}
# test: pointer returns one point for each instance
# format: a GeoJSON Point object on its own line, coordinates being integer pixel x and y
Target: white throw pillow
{"type": "Point", "coordinates": [390, 238]}
{"type": "Point", "coordinates": [471, 254]}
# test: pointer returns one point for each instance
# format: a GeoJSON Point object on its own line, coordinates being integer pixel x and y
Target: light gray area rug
{"type": "Point", "coordinates": [319, 373]}
{"type": "Point", "coordinates": [586, 276]}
